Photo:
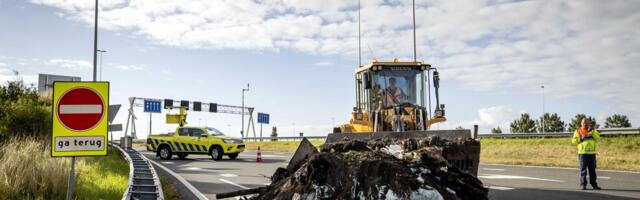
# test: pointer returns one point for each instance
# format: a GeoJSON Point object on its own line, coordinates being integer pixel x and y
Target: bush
{"type": "Point", "coordinates": [22, 112]}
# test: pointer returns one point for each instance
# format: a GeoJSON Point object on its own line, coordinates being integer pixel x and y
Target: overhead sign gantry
{"type": "Point", "coordinates": [154, 105]}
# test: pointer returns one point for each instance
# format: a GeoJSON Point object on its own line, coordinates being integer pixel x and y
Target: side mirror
{"type": "Point", "coordinates": [366, 77]}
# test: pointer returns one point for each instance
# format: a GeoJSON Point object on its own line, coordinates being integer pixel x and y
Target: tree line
{"type": "Point", "coordinates": [549, 123]}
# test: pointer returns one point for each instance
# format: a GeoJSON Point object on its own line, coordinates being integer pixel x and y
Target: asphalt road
{"type": "Point", "coordinates": [504, 182]}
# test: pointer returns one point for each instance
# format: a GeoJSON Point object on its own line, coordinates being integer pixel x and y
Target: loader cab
{"type": "Point", "coordinates": [383, 85]}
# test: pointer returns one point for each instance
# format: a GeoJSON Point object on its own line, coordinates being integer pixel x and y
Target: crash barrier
{"type": "Point", "coordinates": [603, 132]}
{"type": "Point", "coordinates": [144, 182]}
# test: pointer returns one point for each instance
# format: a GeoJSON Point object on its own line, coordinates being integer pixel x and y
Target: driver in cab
{"type": "Point", "coordinates": [394, 93]}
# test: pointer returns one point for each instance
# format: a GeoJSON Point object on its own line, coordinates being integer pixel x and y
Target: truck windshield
{"type": "Point", "coordinates": [398, 85]}
{"type": "Point", "coordinates": [214, 131]}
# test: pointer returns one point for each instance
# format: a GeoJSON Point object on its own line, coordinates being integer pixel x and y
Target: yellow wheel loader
{"type": "Point", "coordinates": [391, 103]}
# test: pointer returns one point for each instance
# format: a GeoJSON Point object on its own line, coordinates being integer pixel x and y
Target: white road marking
{"type": "Point", "coordinates": [499, 176]}
{"type": "Point", "coordinates": [228, 175]}
{"type": "Point", "coordinates": [182, 180]}
{"type": "Point", "coordinates": [604, 177]}
{"type": "Point", "coordinates": [81, 109]}
{"type": "Point", "coordinates": [272, 156]}
{"type": "Point", "coordinates": [572, 168]}
{"type": "Point", "coordinates": [234, 184]}
{"type": "Point", "coordinates": [499, 188]}
{"type": "Point", "coordinates": [200, 169]}
{"type": "Point", "coordinates": [168, 162]}
{"type": "Point", "coordinates": [493, 169]}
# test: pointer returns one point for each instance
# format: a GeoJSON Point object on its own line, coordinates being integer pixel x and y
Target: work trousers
{"type": "Point", "coordinates": [587, 164]}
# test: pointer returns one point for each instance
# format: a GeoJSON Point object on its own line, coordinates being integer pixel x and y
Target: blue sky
{"type": "Point", "coordinates": [299, 56]}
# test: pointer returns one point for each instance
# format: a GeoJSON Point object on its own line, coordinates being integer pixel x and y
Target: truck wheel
{"type": "Point", "coordinates": [165, 153]}
{"type": "Point", "coordinates": [182, 156]}
{"type": "Point", "coordinates": [216, 153]}
{"type": "Point", "coordinates": [233, 156]}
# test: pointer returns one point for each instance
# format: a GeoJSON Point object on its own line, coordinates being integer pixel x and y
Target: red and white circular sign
{"type": "Point", "coordinates": [80, 109]}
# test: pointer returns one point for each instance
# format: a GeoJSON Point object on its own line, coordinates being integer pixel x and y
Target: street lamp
{"type": "Point", "coordinates": [101, 51]}
{"type": "Point", "coordinates": [243, 90]}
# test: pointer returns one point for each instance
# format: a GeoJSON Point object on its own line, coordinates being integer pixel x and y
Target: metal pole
{"type": "Point", "coordinates": [243, 90]}
{"type": "Point", "coordinates": [95, 47]}
{"type": "Point", "coordinates": [260, 132]}
{"type": "Point", "coordinates": [414, 31]}
{"type": "Point", "coordinates": [359, 35]}
{"type": "Point", "coordinates": [149, 124]}
{"type": "Point", "coordinates": [242, 131]}
{"type": "Point", "coordinates": [95, 43]}
{"type": "Point", "coordinates": [71, 176]}
{"type": "Point", "coordinates": [542, 121]}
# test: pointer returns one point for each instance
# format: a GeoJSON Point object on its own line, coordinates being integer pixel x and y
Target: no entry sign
{"type": "Point", "coordinates": [80, 111]}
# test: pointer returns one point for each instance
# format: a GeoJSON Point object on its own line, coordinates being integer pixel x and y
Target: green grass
{"type": "Point", "coordinates": [27, 171]}
{"type": "Point", "coordinates": [169, 189]}
{"type": "Point", "coordinates": [615, 153]}
{"type": "Point", "coordinates": [281, 146]}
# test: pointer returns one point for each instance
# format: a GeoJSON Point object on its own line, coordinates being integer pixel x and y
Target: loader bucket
{"type": "Point", "coordinates": [465, 157]}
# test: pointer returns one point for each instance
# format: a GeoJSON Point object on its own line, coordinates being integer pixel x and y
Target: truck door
{"type": "Point", "coordinates": [201, 140]}
{"type": "Point", "coordinates": [182, 140]}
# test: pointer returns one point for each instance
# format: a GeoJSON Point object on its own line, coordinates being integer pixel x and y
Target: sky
{"type": "Point", "coordinates": [299, 56]}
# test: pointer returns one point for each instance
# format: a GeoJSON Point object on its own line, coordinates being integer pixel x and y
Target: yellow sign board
{"type": "Point", "coordinates": [80, 111]}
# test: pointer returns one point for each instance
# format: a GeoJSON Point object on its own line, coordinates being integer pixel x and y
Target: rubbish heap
{"type": "Point", "coordinates": [406, 169]}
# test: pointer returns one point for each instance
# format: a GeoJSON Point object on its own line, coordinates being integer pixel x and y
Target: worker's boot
{"type": "Point", "coordinates": [584, 187]}
{"type": "Point", "coordinates": [596, 187]}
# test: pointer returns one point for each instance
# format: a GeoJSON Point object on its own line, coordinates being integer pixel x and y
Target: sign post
{"type": "Point", "coordinates": [80, 116]}
{"type": "Point", "coordinates": [151, 106]}
{"type": "Point", "coordinates": [263, 118]}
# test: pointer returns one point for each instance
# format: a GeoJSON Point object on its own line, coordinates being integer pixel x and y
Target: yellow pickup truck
{"type": "Point", "coordinates": [195, 140]}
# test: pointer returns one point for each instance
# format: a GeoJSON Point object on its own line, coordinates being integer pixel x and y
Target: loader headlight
{"type": "Point", "coordinates": [439, 113]}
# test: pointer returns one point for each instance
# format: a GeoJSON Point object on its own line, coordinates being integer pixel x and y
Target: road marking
{"type": "Point", "coordinates": [184, 182]}
{"type": "Point", "coordinates": [199, 169]}
{"type": "Point", "coordinates": [499, 188]}
{"type": "Point", "coordinates": [168, 162]}
{"type": "Point", "coordinates": [234, 184]}
{"type": "Point", "coordinates": [272, 156]}
{"type": "Point", "coordinates": [547, 167]}
{"type": "Point", "coordinates": [604, 177]}
{"type": "Point", "coordinates": [228, 175]}
{"type": "Point", "coordinates": [493, 169]}
{"type": "Point", "coordinates": [499, 176]}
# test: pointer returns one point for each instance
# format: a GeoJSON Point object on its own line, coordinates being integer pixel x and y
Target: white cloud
{"type": "Point", "coordinates": [70, 64]}
{"type": "Point", "coordinates": [129, 67]}
{"type": "Point", "coordinates": [492, 117]}
{"type": "Point", "coordinates": [576, 48]}
{"type": "Point", "coordinates": [3, 64]}
{"type": "Point", "coordinates": [10, 75]}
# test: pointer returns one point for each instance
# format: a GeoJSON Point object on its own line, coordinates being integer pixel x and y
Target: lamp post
{"type": "Point", "coordinates": [101, 51]}
{"type": "Point", "coordinates": [243, 90]}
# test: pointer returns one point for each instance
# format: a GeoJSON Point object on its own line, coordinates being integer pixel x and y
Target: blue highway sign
{"type": "Point", "coordinates": [152, 106]}
{"type": "Point", "coordinates": [263, 118]}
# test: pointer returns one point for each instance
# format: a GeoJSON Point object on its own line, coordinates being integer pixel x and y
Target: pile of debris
{"type": "Point", "coordinates": [407, 169]}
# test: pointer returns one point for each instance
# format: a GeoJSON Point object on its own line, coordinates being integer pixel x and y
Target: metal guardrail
{"type": "Point", "coordinates": [292, 138]}
{"type": "Point", "coordinates": [603, 132]}
{"type": "Point", "coordinates": [144, 182]}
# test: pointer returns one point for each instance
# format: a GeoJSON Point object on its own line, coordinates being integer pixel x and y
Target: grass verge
{"type": "Point", "coordinates": [169, 189]}
{"type": "Point", "coordinates": [614, 153]}
{"type": "Point", "coordinates": [27, 171]}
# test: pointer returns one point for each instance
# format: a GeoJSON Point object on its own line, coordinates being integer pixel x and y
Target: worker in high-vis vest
{"type": "Point", "coordinates": [586, 137]}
